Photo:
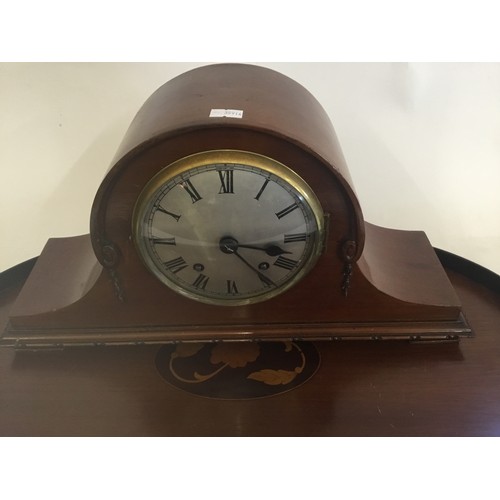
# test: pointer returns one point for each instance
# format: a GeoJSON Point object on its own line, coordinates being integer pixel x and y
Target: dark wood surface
{"type": "Point", "coordinates": [362, 388]}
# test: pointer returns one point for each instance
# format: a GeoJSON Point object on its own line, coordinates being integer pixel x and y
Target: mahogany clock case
{"type": "Point", "coordinates": [369, 282]}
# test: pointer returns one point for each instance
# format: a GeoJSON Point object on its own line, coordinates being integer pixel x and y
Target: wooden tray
{"type": "Point", "coordinates": [358, 388]}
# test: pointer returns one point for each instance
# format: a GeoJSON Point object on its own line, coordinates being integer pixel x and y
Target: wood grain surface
{"type": "Point", "coordinates": [362, 388]}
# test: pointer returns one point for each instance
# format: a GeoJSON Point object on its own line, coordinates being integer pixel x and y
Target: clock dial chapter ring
{"type": "Point", "coordinates": [228, 227]}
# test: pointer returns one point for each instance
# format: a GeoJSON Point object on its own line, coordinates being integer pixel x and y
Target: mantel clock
{"type": "Point", "coordinates": [229, 213]}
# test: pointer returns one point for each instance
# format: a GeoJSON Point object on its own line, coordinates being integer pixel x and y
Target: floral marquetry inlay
{"type": "Point", "coordinates": [238, 370]}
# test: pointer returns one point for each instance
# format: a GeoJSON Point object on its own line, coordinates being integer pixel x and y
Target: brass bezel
{"type": "Point", "coordinates": [236, 157]}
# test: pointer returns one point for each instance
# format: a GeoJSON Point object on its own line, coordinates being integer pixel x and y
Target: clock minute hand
{"type": "Point", "coordinates": [261, 276]}
{"type": "Point", "coordinates": [271, 250]}
{"type": "Point", "coordinates": [230, 246]}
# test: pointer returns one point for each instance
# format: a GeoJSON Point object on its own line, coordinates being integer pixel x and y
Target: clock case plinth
{"type": "Point", "coordinates": [370, 282]}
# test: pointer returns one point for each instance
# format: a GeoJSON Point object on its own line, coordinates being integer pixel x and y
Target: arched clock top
{"type": "Point", "coordinates": [230, 106]}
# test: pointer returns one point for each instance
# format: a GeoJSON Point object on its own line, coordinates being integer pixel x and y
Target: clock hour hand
{"type": "Point", "coordinates": [271, 250]}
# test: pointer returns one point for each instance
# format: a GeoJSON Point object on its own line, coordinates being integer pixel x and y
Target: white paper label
{"type": "Point", "coordinates": [226, 113]}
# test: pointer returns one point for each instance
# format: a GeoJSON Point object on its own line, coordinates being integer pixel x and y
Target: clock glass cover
{"type": "Point", "coordinates": [228, 227]}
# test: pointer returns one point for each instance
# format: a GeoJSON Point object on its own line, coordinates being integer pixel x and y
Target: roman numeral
{"type": "Point", "coordinates": [163, 241]}
{"type": "Point", "coordinates": [287, 210]}
{"type": "Point", "coordinates": [231, 287]}
{"type": "Point", "coordinates": [259, 194]}
{"type": "Point", "coordinates": [201, 282]}
{"type": "Point", "coordinates": [191, 190]}
{"type": "Point", "coordinates": [175, 216]}
{"type": "Point", "coordinates": [226, 181]}
{"type": "Point", "coordinates": [285, 263]}
{"type": "Point", "coordinates": [292, 238]}
{"type": "Point", "coordinates": [176, 265]}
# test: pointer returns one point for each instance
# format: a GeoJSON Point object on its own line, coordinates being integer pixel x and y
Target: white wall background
{"type": "Point", "coordinates": [422, 142]}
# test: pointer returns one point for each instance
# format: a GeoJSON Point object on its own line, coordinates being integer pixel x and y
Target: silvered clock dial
{"type": "Point", "coordinates": [228, 227]}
